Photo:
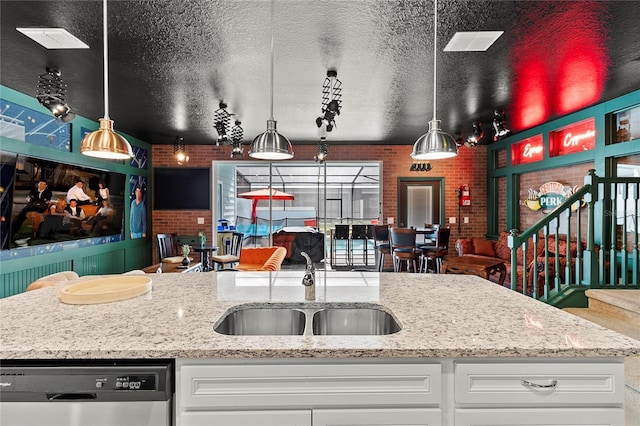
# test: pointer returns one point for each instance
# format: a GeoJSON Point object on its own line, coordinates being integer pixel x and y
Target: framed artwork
{"type": "Point", "coordinates": [34, 127]}
{"type": "Point", "coordinates": [138, 212]}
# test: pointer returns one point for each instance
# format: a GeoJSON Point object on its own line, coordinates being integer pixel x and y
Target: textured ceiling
{"type": "Point", "coordinates": [173, 61]}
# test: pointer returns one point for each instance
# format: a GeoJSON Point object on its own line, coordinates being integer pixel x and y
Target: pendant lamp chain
{"type": "Point", "coordinates": [272, 56]}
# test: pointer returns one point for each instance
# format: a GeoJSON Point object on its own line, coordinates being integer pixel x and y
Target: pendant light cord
{"type": "Point", "coordinates": [272, 56]}
{"type": "Point", "coordinates": [105, 59]}
{"type": "Point", "coordinates": [435, 51]}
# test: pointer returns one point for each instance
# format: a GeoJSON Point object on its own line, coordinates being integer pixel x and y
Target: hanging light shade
{"type": "Point", "coordinates": [435, 144]}
{"type": "Point", "coordinates": [271, 145]}
{"type": "Point", "coordinates": [105, 142]}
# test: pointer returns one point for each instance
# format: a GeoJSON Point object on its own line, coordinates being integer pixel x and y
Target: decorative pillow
{"type": "Point", "coordinates": [173, 259]}
{"type": "Point", "coordinates": [483, 247]}
{"type": "Point", "coordinates": [502, 248]}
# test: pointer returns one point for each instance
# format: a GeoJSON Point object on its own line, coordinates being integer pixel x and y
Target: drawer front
{"type": "Point", "coordinates": [246, 418]}
{"type": "Point", "coordinates": [539, 384]}
{"type": "Point", "coordinates": [540, 417]}
{"type": "Point", "coordinates": [308, 385]}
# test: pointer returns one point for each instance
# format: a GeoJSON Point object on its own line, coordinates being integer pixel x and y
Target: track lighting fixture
{"type": "Point", "coordinates": [500, 125]}
{"type": "Point", "coordinates": [52, 94]}
{"type": "Point", "coordinates": [323, 151]}
{"type": "Point", "coordinates": [420, 167]}
{"type": "Point", "coordinates": [180, 151]}
{"type": "Point", "coordinates": [458, 138]}
{"type": "Point", "coordinates": [237, 134]}
{"type": "Point", "coordinates": [476, 135]}
{"type": "Point", "coordinates": [222, 123]}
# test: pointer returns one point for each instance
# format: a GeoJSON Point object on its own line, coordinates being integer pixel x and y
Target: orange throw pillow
{"type": "Point", "coordinates": [483, 247]}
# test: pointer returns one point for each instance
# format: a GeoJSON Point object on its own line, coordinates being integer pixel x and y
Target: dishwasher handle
{"type": "Point", "coordinates": [88, 396]}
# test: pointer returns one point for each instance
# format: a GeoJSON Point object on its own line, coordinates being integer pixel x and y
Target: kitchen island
{"type": "Point", "coordinates": [461, 337]}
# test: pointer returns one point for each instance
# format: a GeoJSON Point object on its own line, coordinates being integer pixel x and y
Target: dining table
{"type": "Point", "coordinates": [205, 255]}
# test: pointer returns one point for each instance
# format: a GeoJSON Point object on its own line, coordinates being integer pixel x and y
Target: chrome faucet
{"type": "Point", "coordinates": [309, 280]}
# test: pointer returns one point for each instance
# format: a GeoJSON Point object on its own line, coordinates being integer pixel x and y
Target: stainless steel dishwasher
{"type": "Point", "coordinates": [91, 392]}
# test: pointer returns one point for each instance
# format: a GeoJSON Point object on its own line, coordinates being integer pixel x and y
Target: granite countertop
{"type": "Point", "coordinates": [445, 316]}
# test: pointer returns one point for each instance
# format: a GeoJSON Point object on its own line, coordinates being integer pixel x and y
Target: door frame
{"type": "Point", "coordinates": [438, 197]}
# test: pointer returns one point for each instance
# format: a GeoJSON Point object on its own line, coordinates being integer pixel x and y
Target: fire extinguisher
{"type": "Point", "coordinates": [464, 197]}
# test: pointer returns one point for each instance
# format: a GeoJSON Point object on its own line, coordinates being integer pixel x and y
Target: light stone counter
{"type": "Point", "coordinates": [442, 316]}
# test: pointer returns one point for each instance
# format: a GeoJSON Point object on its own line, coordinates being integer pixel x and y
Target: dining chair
{"type": "Point", "coordinates": [430, 236]}
{"type": "Point", "coordinates": [381, 244]}
{"type": "Point", "coordinates": [403, 248]}
{"type": "Point", "coordinates": [166, 246]}
{"type": "Point", "coordinates": [436, 254]}
{"type": "Point", "coordinates": [231, 251]}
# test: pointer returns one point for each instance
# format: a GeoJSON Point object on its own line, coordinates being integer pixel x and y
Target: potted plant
{"type": "Point", "coordinates": [203, 237]}
{"type": "Point", "coordinates": [185, 252]}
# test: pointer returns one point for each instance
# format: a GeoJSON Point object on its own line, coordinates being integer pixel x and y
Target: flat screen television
{"type": "Point", "coordinates": [179, 188]}
{"type": "Point", "coordinates": [29, 219]}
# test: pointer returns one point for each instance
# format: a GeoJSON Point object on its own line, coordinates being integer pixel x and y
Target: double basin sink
{"type": "Point", "coordinates": [303, 319]}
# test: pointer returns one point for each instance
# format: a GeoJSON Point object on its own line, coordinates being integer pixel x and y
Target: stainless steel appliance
{"type": "Point", "coordinates": [90, 392]}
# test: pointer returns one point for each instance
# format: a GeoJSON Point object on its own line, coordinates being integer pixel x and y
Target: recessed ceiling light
{"type": "Point", "coordinates": [472, 41]}
{"type": "Point", "coordinates": [53, 38]}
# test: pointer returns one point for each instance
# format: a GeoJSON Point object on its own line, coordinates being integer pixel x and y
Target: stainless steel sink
{"type": "Point", "coordinates": [262, 322]}
{"type": "Point", "coordinates": [307, 319]}
{"type": "Point", "coordinates": [354, 321]}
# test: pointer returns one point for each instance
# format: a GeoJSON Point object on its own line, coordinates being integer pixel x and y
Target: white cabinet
{"type": "Point", "coordinates": [539, 393]}
{"type": "Point", "coordinates": [295, 392]}
{"type": "Point", "coordinates": [378, 417]}
{"type": "Point", "coordinates": [389, 392]}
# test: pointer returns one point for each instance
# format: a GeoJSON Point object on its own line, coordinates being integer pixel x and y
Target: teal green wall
{"type": "Point", "coordinates": [600, 155]}
{"type": "Point", "coordinates": [115, 257]}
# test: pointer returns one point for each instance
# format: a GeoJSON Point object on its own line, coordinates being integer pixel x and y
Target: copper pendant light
{"type": "Point", "coordinates": [105, 142]}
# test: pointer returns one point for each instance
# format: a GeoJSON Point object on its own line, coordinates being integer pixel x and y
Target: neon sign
{"type": "Point", "coordinates": [527, 151]}
{"type": "Point", "coordinates": [578, 137]}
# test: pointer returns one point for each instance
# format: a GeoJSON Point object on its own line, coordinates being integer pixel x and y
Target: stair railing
{"type": "Point", "coordinates": [592, 213]}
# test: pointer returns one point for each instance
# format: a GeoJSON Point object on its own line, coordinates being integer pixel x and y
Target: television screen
{"type": "Point", "coordinates": [36, 203]}
{"type": "Point", "coordinates": [181, 188]}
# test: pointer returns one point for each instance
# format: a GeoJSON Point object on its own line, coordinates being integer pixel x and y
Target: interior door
{"type": "Point", "coordinates": [419, 201]}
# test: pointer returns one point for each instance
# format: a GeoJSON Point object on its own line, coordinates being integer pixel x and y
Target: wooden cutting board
{"type": "Point", "coordinates": [105, 290]}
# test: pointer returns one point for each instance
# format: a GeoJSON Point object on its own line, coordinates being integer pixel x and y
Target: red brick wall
{"type": "Point", "coordinates": [570, 176]}
{"type": "Point", "coordinates": [469, 167]}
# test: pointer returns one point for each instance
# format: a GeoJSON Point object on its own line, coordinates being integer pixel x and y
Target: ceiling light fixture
{"type": "Point", "coordinates": [52, 94]}
{"type": "Point", "coordinates": [271, 145]}
{"type": "Point", "coordinates": [222, 120]}
{"type": "Point", "coordinates": [180, 151]}
{"type": "Point", "coordinates": [435, 144]}
{"type": "Point", "coordinates": [237, 133]}
{"type": "Point", "coordinates": [500, 125]}
{"type": "Point", "coordinates": [476, 135]}
{"type": "Point", "coordinates": [105, 142]}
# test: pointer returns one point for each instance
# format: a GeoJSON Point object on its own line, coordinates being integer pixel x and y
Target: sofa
{"type": "Point", "coordinates": [535, 262]}
{"type": "Point", "coordinates": [261, 258]}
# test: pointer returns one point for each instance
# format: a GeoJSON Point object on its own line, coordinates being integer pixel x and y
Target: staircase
{"type": "Point", "coordinates": [619, 310]}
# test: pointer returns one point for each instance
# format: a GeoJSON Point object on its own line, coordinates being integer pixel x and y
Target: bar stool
{"type": "Point", "coordinates": [381, 244]}
{"type": "Point", "coordinates": [359, 233]}
{"type": "Point", "coordinates": [436, 254]}
{"type": "Point", "coordinates": [341, 233]}
{"type": "Point", "coordinates": [403, 248]}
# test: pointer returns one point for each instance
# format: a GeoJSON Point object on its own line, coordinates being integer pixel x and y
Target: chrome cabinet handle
{"type": "Point", "coordinates": [527, 383]}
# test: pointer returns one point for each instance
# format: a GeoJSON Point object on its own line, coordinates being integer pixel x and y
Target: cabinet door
{"type": "Point", "coordinates": [246, 418]}
{"type": "Point", "coordinates": [540, 416]}
{"type": "Point", "coordinates": [378, 417]}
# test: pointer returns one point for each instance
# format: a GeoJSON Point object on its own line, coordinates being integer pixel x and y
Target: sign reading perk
{"type": "Point", "coordinates": [550, 196]}
{"type": "Point", "coordinates": [577, 137]}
